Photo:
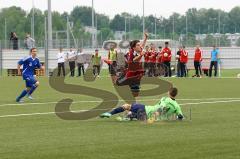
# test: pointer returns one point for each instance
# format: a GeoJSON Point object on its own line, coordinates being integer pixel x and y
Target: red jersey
{"type": "Point", "coordinates": [135, 69]}
{"type": "Point", "coordinates": [184, 56]}
{"type": "Point", "coordinates": [146, 56]}
{"type": "Point", "coordinates": [198, 55]}
{"type": "Point", "coordinates": [159, 57]}
{"type": "Point", "coordinates": [152, 57]}
{"type": "Point", "coordinates": [169, 54]}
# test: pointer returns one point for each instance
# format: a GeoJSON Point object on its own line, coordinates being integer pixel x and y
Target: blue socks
{"type": "Point", "coordinates": [117, 110]}
{"type": "Point", "coordinates": [24, 92]}
{"type": "Point", "coordinates": [32, 89]}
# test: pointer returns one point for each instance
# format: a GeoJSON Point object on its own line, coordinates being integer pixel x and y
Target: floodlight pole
{"type": "Point", "coordinates": [33, 21]}
{"type": "Point", "coordinates": [92, 24]}
{"type": "Point", "coordinates": [49, 25]}
{"type": "Point", "coordinates": [143, 19]}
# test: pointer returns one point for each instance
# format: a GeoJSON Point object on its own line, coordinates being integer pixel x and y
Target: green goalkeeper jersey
{"type": "Point", "coordinates": [166, 105]}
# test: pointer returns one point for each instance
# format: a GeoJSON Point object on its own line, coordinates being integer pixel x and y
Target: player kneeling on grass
{"type": "Point", "coordinates": [167, 106]}
{"type": "Point", "coordinates": [29, 65]}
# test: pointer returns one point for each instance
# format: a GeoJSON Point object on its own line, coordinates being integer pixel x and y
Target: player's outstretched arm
{"type": "Point", "coordinates": [144, 40]}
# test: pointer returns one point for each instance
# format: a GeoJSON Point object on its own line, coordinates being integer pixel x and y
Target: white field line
{"type": "Point", "coordinates": [46, 113]}
{"type": "Point", "coordinates": [99, 101]}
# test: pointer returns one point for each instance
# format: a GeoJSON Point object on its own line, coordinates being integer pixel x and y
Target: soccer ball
{"type": "Point", "coordinates": [119, 118]}
{"type": "Point", "coordinates": [165, 54]}
{"type": "Point", "coordinates": [150, 121]}
{"type": "Point", "coordinates": [238, 75]}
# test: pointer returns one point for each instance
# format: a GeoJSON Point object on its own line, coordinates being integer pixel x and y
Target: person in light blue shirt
{"type": "Point", "coordinates": [29, 64]}
{"type": "Point", "coordinates": [214, 61]}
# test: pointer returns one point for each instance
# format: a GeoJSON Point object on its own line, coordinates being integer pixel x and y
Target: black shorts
{"type": "Point", "coordinates": [113, 68]}
{"type": "Point", "coordinates": [133, 83]}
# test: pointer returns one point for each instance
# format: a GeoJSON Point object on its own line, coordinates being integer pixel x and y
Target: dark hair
{"type": "Point", "coordinates": [166, 43]}
{"type": "Point", "coordinates": [173, 91]}
{"type": "Point", "coordinates": [160, 47]}
{"type": "Point", "coordinates": [32, 49]}
{"type": "Point", "coordinates": [134, 43]}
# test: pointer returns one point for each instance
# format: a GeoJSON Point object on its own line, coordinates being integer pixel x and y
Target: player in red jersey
{"type": "Point", "coordinates": [183, 62]}
{"type": "Point", "coordinates": [146, 60]}
{"type": "Point", "coordinates": [159, 58]}
{"type": "Point", "coordinates": [197, 61]}
{"type": "Point", "coordinates": [166, 59]}
{"type": "Point", "coordinates": [135, 71]}
{"type": "Point", "coordinates": [152, 60]}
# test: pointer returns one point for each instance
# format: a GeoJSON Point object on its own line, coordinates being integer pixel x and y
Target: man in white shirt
{"type": "Point", "coordinates": [29, 42]}
{"type": "Point", "coordinates": [72, 56]}
{"type": "Point", "coordinates": [61, 59]}
{"type": "Point", "coordinates": [80, 62]}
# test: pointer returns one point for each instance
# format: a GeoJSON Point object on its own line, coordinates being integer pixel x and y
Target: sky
{"type": "Point", "coordinates": [112, 7]}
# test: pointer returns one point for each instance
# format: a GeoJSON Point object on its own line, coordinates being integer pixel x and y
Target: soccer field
{"type": "Point", "coordinates": [32, 130]}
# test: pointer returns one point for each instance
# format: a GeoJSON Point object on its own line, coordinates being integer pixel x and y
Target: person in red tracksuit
{"type": "Point", "coordinates": [183, 62]}
{"type": "Point", "coordinates": [159, 58]}
{"type": "Point", "coordinates": [146, 60]}
{"type": "Point", "coordinates": [166, 59]}
{"type": "Point", "coordinates": [197, 61]}
{"type": "Point", "coordinates": [152, 60]}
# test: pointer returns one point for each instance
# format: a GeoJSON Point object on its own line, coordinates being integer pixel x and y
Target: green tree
{"type": "Point", "coordinates": [117, 23]}
{"type": "Point", "coordinates": [16, 20]}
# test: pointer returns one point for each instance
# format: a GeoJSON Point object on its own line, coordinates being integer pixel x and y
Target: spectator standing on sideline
{"type": "Point", "coordinates": [214, 61]}
{"type": "Point", "coordinates": [167, 56]}
{"type": "Point", "coordinates": [178, 61]}
{"type": "Point", "coordinates": [152, 60]}
{"type": "Point", "coordinates": [61, 57]}
{"type": "Point", "coordinates": [14, 41]}
{"type": "Point", "coordinates": [146, 60]}
{"type": "Point", "coordinates": [71, 56]}
{"type": "Point", "coordinates": [159, 59]}
{"type": "Point", "coordinates": [29, 42]}
{"type": "Point", "coordinates": [96, 61]}
{"type": "Point", "coordinates": [197, 61]}
{"type": "Point", "coordinates": [112, 58]}
{"type": "Point", "coordinates": [183, 62]}
{"type": "Point", "coordinates": [80, 62]}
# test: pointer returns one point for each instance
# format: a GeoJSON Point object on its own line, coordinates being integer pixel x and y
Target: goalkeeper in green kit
{"type": "Point", "coordinates": [166, 107]}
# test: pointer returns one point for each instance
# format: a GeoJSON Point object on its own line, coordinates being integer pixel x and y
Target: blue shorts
{"type": "Point", "coordinates": [135, 108]}
{"type": "Point", "coordinates": [29, 80]}
{"type": "Point", "coordinates": [138, 111]}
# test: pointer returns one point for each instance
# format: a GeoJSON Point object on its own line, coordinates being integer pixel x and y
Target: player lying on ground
{"type": "Point", "coordinates": [29, 63]}
{"type": "Point", "coordinates": [167, 107]}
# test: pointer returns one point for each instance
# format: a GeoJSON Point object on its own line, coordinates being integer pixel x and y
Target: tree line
{"type": "Point", "coordinates": [194, 21]}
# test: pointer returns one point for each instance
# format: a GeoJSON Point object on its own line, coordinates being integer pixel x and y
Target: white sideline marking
{"type": "Point", "coordinates": [46, 113]}
{"type": "Point", "coordinates": [99, 101]}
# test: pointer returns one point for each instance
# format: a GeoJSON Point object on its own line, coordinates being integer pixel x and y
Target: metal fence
{"type": "Point", "coordinates": [230, 56]}
{"type": "Point", "coordinates": [55, 44]}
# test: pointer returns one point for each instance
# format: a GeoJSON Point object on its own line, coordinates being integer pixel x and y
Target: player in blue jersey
{"type": "Point", "coordinates": [29, 64]}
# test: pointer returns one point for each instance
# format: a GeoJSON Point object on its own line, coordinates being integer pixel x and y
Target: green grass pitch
{"type": "Point", "coordinates": [213, 132]}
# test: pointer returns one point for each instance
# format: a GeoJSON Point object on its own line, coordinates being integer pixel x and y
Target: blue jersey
{"type": "Point", "coordinates": [29, 65]}
{"type": "Point", "coordinates": [214, 54]}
